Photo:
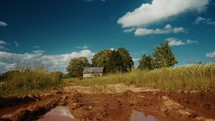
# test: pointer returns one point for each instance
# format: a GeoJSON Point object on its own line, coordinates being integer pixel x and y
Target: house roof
{"type": "Point", "coordinates": [93, 70]}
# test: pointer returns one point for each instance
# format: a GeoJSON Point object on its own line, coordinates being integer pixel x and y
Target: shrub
{"type": "Point", "coordinates": [29, 80]}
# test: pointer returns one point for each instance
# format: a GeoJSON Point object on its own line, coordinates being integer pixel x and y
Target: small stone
{"type": "Point", "coordinates": [90, 107]}
{"type": "Point", "coordinates": [63, 97]}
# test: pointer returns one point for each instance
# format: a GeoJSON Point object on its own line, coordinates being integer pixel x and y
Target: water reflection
{"type": "Point", "coordinates": [58, 114]}
{"type": "Point", "coordinates": [140, 116]}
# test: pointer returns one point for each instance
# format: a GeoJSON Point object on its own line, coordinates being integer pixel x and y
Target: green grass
{"type": "Point", "coordinates": [29, 81]}
{"type": "Point", "coordinates": [199, 77]}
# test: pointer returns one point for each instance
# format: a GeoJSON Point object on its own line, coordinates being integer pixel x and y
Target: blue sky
{"type": "Point", "coordinates": [52, 31]}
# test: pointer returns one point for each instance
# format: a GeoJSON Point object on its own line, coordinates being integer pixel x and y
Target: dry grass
{"type": "Point", "coordinates": [200, 77]}
{"type": "Point", "coordinates": [29, 81]}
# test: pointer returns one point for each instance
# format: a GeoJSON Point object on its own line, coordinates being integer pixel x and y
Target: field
{"type": "Point", "coordinates": [179, 93]}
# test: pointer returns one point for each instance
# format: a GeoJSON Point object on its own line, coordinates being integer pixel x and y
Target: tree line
{"type": "Point", "coordinates": [120, 60]}
{"type": "Point", "coordinates": [112, 60]}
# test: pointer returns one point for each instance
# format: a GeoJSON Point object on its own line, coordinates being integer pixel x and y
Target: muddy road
{"type": "Point", "coordinates": [129, 104]}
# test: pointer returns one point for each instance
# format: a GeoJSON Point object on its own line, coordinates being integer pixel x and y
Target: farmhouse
{"type": "Point", "coordinates": [93, 71]}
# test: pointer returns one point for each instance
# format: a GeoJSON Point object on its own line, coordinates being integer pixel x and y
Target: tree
{"type": "Point", "coordinates": [163, 56]}
{"type": "Point", "coordinates": [109, 59]}
{"type": "Point", "coordinates": [127, 62]}
{"type": "Point", "coordinates": [101, 58]}
{"type": "Point", "coordinates": [113, 61]}
{"type": "Point", "coordinates": [146, 62]}
{"type": "Point", "coordinates": [76, 66]}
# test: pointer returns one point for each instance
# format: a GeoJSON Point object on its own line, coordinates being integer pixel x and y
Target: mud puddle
{"type": "Point", "coordinates": [59, 113]}
{"type": "Point", "coordinates": [140, 116]}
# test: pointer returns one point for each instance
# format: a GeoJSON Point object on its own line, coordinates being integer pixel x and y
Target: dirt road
{"type": "Point", "coordinates": [125, 103]}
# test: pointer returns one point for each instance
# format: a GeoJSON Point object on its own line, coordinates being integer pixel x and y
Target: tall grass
{"type": "Point", "coordinates": [200, 77]}
{"type": "Point", "coordinates": [29, 81]}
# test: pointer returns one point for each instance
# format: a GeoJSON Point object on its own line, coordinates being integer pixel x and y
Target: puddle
{"type": "Point", "coordinates": [140, 116]}
{"type": "Point", "coordinates": [59, 113]}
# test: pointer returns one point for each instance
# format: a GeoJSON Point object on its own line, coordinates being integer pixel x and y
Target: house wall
{"type": "Point", "coordinates": [91, 75]}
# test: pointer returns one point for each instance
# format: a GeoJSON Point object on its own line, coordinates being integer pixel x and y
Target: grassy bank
{"type": "Point", "coordinates": [29, 81]}
{"type": "Point", "coordinates": [199, 77]}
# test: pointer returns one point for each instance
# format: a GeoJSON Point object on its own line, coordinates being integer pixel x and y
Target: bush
{"type": "Point", "coordinates": [29, 80]}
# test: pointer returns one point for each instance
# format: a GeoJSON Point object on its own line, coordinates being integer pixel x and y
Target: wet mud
{"type": "Point", "coordinates": [123, 106]}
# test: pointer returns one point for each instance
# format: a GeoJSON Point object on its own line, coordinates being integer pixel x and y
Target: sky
{"type": "Point", "coordinates": [51, 32]}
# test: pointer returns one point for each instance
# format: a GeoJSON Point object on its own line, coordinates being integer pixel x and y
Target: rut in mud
{"type": "Point", "coordinates": [122, 106]}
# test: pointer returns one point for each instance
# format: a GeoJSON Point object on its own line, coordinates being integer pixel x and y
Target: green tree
{"type": "Point", "coordinates": [146, 62]}
{"type": "Point", "coordinates": [163, 56]}
{"type": "Point", "coordinates": [76, 66]}
{"type": "Point", "coordinates": [101, 58]}
{"type": "Point", "coordinates": [109, 59]}
{"type": "Point", "coordinates": [115, 63]}
{"type": "Point", "coordinates": [113, 60]}
{"type": "Point", "coordinates": [127, 62]}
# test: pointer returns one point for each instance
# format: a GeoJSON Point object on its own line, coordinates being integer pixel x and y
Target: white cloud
{"type": "Point", "coordinates": [129, 30]}
{"type": "Point", "coordinates": [210, 55]}
{"type": "Point", "coordinates": [16, 44]}
{"type": "Point", "coordinates": [191, 42]}
{"type": "Point", "coordinates": [159, 10]}
{"type": "Point", "coordinates": [2, 44]}
{"type": "Point", "coordinates": [39, 51]}
{"type": "Point", "coordinates": [201, 20]}
{"type": "Point", "coordinates": [82, 47]}
{"type": "Point", "coordinates": [177, 42]}
{"type": "Point", "coordinates": [53, 62]}
{"type": "Point", "coordinates": [135, 59]}
{"type": "Point", "coordinates": [2, 23]}
{"type": "Point", "coordinates": [112, 49]}
{"type": "Point", "coordinates": [167, 29]}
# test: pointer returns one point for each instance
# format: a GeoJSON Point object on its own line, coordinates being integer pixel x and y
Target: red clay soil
{"type": "Point", "coordinates": [112, 107]}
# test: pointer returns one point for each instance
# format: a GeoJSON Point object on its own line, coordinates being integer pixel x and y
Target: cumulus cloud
{"type": "Point", "coordinates": [2, 23]}
{"type": "Point", "coordinates": [159, 10]}
{"type": "Point", "coordinates": [129, 30]}
{"type": "Point", "coordinates": [210, 55]}
{"type": "Point", "coordinates": [202, 20]}
{"type": "Point", "coordinates": [2, 44]}
{"type": "Point", "coordinates": [6, 66]}
{"type": "Point", "coordinates": [82, 47]}
{"type": "Point", "coordinates": [39, 51]}
{"type": "Point", "coordinates": [167, 29]}
{"type": "Point", "coordinates": [53, 62]}
{"type": "Point", "coordinates": [177, 42]}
